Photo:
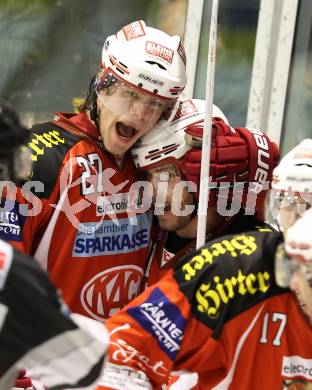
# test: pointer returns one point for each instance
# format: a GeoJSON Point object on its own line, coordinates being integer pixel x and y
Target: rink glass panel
{"type": "Point", "coordinates": [50, 49]}
{"type": "Point", "coordinates": [237, 28]}
{"type": "Point", "coordinates": [298, 107]}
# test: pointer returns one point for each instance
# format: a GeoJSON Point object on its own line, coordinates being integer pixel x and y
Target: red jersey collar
{"type": "Point", "coordinates": [79, 123]}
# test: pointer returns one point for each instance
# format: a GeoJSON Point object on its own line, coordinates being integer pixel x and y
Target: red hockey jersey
{"type": "Point", "coordinates": [220, 314]}
{"type": "Point", "coordinates": [80, 223]}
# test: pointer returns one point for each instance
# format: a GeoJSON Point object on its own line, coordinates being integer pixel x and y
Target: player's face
{"type": "Point", "coordinates": [299, 284]}
{"type": "Point", "coordinates": [171, 199]}
{"type": "Point", "coordinates": [125, 115]}
{"type": "Point", "coordinates": [291, 207]}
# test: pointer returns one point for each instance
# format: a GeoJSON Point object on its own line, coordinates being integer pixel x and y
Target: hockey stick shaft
{"type": "Point", "coordinates": [205, 159]}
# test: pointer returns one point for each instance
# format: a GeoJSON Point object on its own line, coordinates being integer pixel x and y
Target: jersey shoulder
{"type": "Point", "coordinates": [49, 144]}
{"type": "Point", "coordinates": [229, 275]}
{"type": "Point", "coordinates": [243, 222]}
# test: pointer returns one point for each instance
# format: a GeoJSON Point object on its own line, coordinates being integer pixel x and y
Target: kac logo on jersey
{"type": "Point", "coordinates": [110, 290]}
{"type": "Point", "coordinates": [163, 320]}
{"type": "Point", "coordinates": [11, 222]}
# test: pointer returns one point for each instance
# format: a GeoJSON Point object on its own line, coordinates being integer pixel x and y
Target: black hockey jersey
{"type": "Point", "coordinates": [37, 330]}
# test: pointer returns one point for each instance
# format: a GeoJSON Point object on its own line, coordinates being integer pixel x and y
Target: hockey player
{"type": "Point", "coordinates": [77, 222]}
{"type": "Point", "coordinates": [226, 311]}
{"type": "Point", "coordinates": [37, 331]}
{"type": "Point", "coordinates": [234, 167]}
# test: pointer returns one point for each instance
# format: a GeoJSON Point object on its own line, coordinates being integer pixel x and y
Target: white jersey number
{"type": "Point", "coordinates": [276, 317]}
{"type": "Point", "coordinates": [93, 173]}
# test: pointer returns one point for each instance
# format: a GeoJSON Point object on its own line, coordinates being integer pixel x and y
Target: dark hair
{"type": "Point", "coordinates": [12, 132]}
{"type": "Point", "coordinates": [97, 81]}
{"type": "Point", "coordinates": [90, 101]}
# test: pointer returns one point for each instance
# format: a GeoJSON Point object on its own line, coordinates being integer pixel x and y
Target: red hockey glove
{"type": "Point", "coordinates": [237, 155]}
{"type": "Point", "coordinates": [228, 156]}
{"type": "Point", "coordinates": [263, 158]}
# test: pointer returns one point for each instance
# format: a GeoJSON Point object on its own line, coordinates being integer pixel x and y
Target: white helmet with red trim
{"type": "Point", "coordinates": [146, 58]}
{"type": "Point", "coordinates": [294, 172]}
{"type": "Point", "coordinates": [166, 143]}
{"type": "Point", "coordinates": [292, 185]}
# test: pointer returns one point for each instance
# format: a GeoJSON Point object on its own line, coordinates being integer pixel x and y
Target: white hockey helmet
{"type": "Point", "coordinates": [294, 172]}
{"type": "Point", "coordinates": [165, 143]}
{"type": "Point", "coordinates": [148, 59]}
{"type": "Point", "coordinates": [292, 185]}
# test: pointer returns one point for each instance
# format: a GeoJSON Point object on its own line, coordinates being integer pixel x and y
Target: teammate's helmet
{"type": "Point", "coordinates": [146, 58]}
{"type": "Point", "coordinates": [14, 161]}
{"type": "Point", "coordinates": [292, 195]}
{"type": "Point", "coordinates": [292, 185]}
{"type": "Point", "coordinates": [294, 172]}
{"type": "Point", "coordinates": [166, 142]}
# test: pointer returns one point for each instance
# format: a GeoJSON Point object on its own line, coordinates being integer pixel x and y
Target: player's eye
{"type": "Point", "coordinates": [156, 103]}
{"type": "Point", "coordinates": [132, 94]}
